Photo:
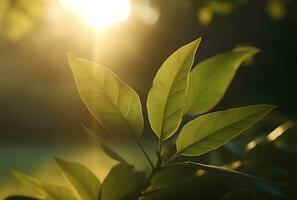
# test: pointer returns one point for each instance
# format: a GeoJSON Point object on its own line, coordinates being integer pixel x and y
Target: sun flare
{"type": "Point", "coordinates": [99, 14]}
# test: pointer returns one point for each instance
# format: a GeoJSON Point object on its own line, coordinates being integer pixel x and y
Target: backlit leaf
{"type": "Point", "coordinates": [198, 187]}
{"type": "Point", "coordinates": [210, 79]}
{"type": "Point", "coordinates": [45, 191]}
{"type": "Point", "coordinates": [116, 105]}
{"type": "Point", "coordinates": [239, 179]}
{"type": "Point", "coordinates": [84, 181]}
{"type": "Point", "coordinates": [108, 150]}
{"type": "Point", "coordinates": [166, 98]}
{"type": "Point", "coordinates": [55, 192]}
{"type": "Point", "coordinates": [121, 182]}
{"type": "Point", "coordinates": [212, 130]}
{"type": "Point", "coordinates": [33, 185]}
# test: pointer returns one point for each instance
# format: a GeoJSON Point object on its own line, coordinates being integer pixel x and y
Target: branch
{"type": "Point", "coordinates": [144, 152]}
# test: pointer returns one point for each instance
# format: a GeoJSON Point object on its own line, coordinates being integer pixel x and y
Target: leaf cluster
{"type": "Point", "coordinates": [178, 90]}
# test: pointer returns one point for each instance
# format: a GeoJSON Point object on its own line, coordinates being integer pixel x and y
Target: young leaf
{"type": "Point", "coordinates": [166, 98]}
{"type": "Point", "coordinates": [44, 190]}
{"type": "Point", "coordinates": [211, 131]}
{"type": "Point", "coordinates": [83, 180]}
{"type": "Point", "coordinates": [19, 197]}
{"type": "Point", "coordinates": [210, 79]}
{"type": "Point", "coordinates": [33, 185]}
{"type": "Point", "coordinates": [55, 192]}
{"type": "Point", "coordinates": [106, 148]}
{"type": "Point", "coordinates": [121, 181]}
{"type": "Point", "coordinates": [113, 103]}
{"type": "Point", "coordinates": [240, 179]}
{"type": "Point", "coordinates": [196, 187]}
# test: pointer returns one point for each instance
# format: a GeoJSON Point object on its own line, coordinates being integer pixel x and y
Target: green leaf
{"type": "Point", "coordinates": [216, 179]}
{"type": "Point", "coordinates": [55, 192]}
{"type": "Point", "coordinates": [113, 103]}
{"type": "Point", "coordinates": [166, 98]}
{"type": "Point", "coordinates": [19, 197]}
{"type": "Point", "coordinates": [240, 179]}
{"type": "Point", "coordinates": [84, 181]}
{"type": "Point", "coordinates": [106, 148]}
{"type": "Point", "coordinates": [121, 182]}
{"type": "Point", "coordinates": [210, 79]}
{"type": "Point", "coordinates": [45, 191]}
{"type": "Point", "coordinates": [33, 185]}
{"type": "Point", "coordinates": [212, 130]}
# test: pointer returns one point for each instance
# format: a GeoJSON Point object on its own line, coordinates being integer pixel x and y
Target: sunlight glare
{"type": "Point", "coordinates": [99, 14]}
{"type": "Point", "coordinates": [251, 145]}
{"type": "Point", "coordinates": [280, 130]}
{"type": "Point", "coordinates": [233, 165]}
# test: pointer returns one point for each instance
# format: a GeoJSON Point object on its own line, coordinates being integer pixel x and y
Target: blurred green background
{"type": "Point", "coordinates": [41, 112]}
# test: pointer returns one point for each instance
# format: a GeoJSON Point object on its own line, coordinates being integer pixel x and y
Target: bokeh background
{"type": "Point", "coordinates": [40, 110]}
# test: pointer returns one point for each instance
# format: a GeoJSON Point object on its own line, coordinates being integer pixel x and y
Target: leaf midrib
{"type": "Point", "coordinates": [83, 185]}
{"type": "Point", "coordinates": [54, 196]}
{"type": "Point", "coordinates": [198, 93]}
{"type": "Point", "coordinates": [116, 108]}
{"type": "Point", "coordinates": [204, 84]}
{"type": "Point", "coordinates": [109, 99]}
{"type": "Point", "coordinates": [166, 102]}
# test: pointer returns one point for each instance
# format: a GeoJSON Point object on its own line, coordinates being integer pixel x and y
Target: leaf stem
{"type": "Point", "coordinates": [145, 154]}
{"type": "Point", "coordinates": [202, 166]}
{"type": "Point", "coordinates": [159, 150]}
{"type": "Point", "coordinates": [171, 159]}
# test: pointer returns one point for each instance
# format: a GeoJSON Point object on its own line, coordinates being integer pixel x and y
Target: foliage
{"type": "Point", "coordinates": [208, 9]}
{"type": "Point", "coordinates": [18, 17]}
{"type": "Point", "coordinates": [176, 92]}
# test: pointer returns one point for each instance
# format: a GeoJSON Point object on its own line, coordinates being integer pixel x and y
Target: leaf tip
{"type": "Point", "coordinates": [70, 57]}
{"type": "Point", "coordinates": [197, 42]}
{"type": "Point", "coordinates": [270, 106]}
{"type": "Point", "coordinates": [251, 50]}
{"type": "Point", "coordinates": [194, 44]}
{"type": "Point", "coordinates": [59, 161]}
{"type": "Point", "coordinates": [14, 173]}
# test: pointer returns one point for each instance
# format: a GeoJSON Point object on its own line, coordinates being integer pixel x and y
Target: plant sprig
{"type": "Point", "coordinates": [177, 90]}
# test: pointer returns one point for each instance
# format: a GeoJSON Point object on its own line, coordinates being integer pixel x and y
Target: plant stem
{"type": "Point", "coordinates": [150, 192]}
{"type": "Point", "coordinates": [145, 154]}
{"type": "Point", "coordinates": [159, 150]}
{"type": "Point", "coordinates": [199, 165]}
{"type": "Point", "coordinates": [171, 159]}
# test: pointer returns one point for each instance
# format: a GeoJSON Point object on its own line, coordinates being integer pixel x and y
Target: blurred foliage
{"type": "Point", "coordinates": [18, 17]}
{"type": "Point", "coordinates": [206, 12]}
{"type": "Point", "coordinates": [208, 9]}
{"type": "Point", "coordinates": [276, 9]}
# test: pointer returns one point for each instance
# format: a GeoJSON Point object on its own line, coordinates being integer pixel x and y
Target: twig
{"type": "Point", "coordinates": [171, 159]}
{"type": "Point", "coordinates": [144, 152]}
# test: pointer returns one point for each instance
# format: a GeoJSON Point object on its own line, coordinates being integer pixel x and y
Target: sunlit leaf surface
{"type": "Point", "coordinates": [167, 96]}
{"type": "Point", "coordinates": [84, 181]}
{"type": "Point", "coordinates": [212, 130]}
{"type": "Point", "coordinates": [45, 191]}
{"type": "Point", "coordinates": [210, 79]}
{"type": "Point", "coordinates": [113, 103]}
